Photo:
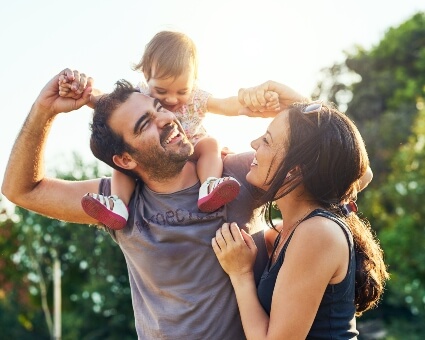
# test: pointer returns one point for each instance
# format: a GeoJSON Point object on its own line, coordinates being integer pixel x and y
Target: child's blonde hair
{"type": "Point", "coordinates": [171, 53]}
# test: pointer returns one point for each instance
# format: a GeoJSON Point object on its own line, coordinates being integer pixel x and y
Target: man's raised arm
{"type": "Point", "coordinates": [24, 181]}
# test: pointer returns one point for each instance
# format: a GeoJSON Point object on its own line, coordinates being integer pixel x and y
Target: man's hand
{"type": "Point", "coordinates": [27, 186]}
{"type": "Point", "coordinates": [50, 101]}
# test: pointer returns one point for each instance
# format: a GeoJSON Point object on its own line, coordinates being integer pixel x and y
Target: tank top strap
{"type": "Point", "coordinates": [323, 213]}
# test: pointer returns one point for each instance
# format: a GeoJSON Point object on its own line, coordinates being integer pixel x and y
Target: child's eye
{"type": "Point", "coordinates": [161, 92]}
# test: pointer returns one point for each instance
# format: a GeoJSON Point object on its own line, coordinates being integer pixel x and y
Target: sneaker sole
{"type": "Point", "coordinates": [98, 211]}
{"type": "Point", "coordinates": [224, 193]}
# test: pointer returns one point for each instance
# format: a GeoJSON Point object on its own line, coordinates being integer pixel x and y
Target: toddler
{"type": "Point", "coordinates": [170, 67]}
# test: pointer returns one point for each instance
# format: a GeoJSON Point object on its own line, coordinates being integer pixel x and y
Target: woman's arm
{"type": "Point", "coordinates": [301, 281]}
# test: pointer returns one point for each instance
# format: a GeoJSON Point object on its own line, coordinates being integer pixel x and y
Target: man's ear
{"type": "Point", "coordinates": [124, 161]}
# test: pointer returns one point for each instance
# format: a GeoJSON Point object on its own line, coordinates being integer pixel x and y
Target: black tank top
{"type": "Point", "coordinates": [335, 318]}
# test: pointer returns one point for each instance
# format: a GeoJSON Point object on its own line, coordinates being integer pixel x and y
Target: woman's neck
{"type": "Point", "coordinates": [295, 206]}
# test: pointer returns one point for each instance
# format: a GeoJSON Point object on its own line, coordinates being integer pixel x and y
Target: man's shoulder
{"type": "Point", "coordinates": [238, 165]}
{"type": "Point", "coordinates": [238, 160]}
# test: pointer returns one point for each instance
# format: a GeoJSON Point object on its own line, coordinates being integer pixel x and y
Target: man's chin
{"type": "Point", "coordinates": [188, 147]}
{"type": "Point", "coordinates": [185, 150]}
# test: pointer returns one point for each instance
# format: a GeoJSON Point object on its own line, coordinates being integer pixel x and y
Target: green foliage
{"type": "Point", "coordinates": [402, 329]}
{"type": "Point", "coordinates": [381, 88]}
{"type": "Point", "coordinates": [401, 226]}
{"type": "Point", "coordinates": [383, 91]}
{"type": "Point", "coordinates": [96, 301]}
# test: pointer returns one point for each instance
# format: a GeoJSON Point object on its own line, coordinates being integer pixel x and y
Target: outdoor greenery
{"type": "Point", "coordinates": [96, 300]}
{"type": "Point", "coordinates": [381, 89]}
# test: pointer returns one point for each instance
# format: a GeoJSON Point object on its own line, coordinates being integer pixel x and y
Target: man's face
{"type": "Point", "coordinates": [160, 145]}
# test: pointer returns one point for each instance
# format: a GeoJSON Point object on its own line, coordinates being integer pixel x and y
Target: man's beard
{"type": "Point", "coordinates": [160, 164]}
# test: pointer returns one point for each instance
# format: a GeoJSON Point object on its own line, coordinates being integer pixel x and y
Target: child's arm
{"type": "Point", "coordinates": [232, 107]}
{"type": "Point", "coordinates": [70, 88]}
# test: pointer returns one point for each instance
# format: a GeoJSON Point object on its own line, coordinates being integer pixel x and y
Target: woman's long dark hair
{"type": "Point", "coordinates": [331, 157]}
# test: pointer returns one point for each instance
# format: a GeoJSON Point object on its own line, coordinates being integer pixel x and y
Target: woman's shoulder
{"type": "Point", "coordinates": [320, 231]}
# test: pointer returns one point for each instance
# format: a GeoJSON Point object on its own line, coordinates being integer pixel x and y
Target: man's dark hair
{"type": "Point", "coordinates": [104, 142]}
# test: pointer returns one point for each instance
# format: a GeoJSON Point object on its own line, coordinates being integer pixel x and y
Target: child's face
{"type": "Point", "coordinates": [173, 93]}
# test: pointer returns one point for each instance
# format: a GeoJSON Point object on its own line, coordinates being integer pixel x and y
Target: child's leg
{"type": "Point", "coordinates": [215, 191]}
{"type": "Point", "coordinates": [122, 186]}
{"type": "Point", "coordinates": [209, 163]}
{"type": "Point", "coordinates": [111, 210]}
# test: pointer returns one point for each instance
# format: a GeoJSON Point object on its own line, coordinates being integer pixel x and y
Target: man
{"type": "Point", "coordinates": [179, 290]}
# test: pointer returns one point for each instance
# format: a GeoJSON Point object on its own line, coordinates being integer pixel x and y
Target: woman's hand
{"type": "Point", "coordinates": [235, 250]}
{"type": "Point", "coordinates": [258, 97]}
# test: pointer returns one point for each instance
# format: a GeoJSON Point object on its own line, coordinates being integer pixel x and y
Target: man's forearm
{"type": "Point", "coordinates": [24, 181]}
{"type": "Point", "coordinates": [25, 167]}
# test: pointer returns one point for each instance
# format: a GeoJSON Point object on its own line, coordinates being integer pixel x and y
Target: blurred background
{"type": "Point", "coordinates": [368, 57]}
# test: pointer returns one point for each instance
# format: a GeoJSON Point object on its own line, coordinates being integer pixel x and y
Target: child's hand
{"type": "Point", "coordinates": [72, 84]}
{"type": "Point", "coordinates": [259, 102]}
{"type": "Point", "coordinates": [272, 101]}
{"type": "Point", "coordinates": [259, 99]}
{"type": "Point", "coordinates": [64, 86]}
{"type": "Point", "coordinates": [226, 151]}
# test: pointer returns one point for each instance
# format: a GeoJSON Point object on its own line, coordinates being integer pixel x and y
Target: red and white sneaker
{"type": "Point", "coordinates": [109, 210]}
{"type": "Point", "coordinates": [216, 192]}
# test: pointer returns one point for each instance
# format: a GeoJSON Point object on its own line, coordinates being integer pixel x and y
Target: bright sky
{"type": "Point", "coordinates": [241, 43]}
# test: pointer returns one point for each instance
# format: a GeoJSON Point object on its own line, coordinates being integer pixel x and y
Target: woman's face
{"type": "Point", "coordinates": [269, 151]}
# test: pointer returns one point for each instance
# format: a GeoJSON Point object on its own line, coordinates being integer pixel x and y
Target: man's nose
{"type": "Point", "coordinates": [165, 117]}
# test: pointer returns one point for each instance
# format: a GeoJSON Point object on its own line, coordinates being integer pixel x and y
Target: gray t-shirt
{"type": "Point", "coordinates": [178, 288]}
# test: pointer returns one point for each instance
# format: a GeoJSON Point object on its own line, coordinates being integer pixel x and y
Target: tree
{"type": "Point", "coordinates": [383, 91]}
{"type": "Point", "coordinates": [399, 212]}
{"type": "Point", "coordinates": [380, 88]}
{"type": "Point", "coordinates": [96, 300]}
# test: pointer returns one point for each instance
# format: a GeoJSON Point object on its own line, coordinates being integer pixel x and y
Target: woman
{"type": "Point", "coordinates": [325, 265]}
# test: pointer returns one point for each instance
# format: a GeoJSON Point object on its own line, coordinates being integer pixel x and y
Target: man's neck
{"type": "Point", "coordinates": [183, 180]}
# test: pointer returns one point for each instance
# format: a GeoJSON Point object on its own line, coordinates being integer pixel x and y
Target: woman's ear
{"type": "Point", "coordinates": [124, 161]}
{"type": "Point", "coordinates": [293, 172]}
